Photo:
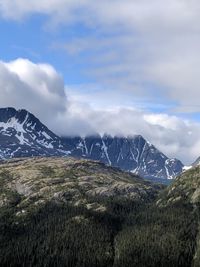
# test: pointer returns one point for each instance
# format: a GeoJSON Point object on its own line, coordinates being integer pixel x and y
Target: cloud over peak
{"type": "Point", "coordinates": [41, 90]}
{"type": "Point", "coordinates": [36, 87]}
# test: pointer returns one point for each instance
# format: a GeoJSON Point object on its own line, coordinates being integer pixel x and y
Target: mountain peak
{"type": "Point", "coordinates": [7, 113]}
{"type": "Point", "coordinates": [22, 134]}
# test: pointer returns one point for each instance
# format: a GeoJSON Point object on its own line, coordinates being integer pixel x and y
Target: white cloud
{"type": "Point", "coordinates": [35, 87]}
{"type": "Point", "coordinates": [40, 89]}
{"type": "Point", "coordinates": [162, 67]}
{"type": "Point", "coordinates": [172, 135]}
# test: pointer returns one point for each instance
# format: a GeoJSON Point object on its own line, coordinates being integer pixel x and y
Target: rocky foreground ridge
{"type": "Point", "coordinates": [31, 182]}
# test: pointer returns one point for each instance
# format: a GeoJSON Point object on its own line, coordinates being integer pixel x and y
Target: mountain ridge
{"type": "Point", "coordinates": [133, 154]}
{"type": "Point", "coordinates": [24, 135]}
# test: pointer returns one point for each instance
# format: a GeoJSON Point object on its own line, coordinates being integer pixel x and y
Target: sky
{"type": "Point", "coordinates": [121, 67]}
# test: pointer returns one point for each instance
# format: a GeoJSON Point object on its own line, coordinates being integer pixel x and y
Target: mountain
{"type": "Point", "coordinates": [133, 154]}
{"type": "Point", "coordinates": [184, 189]}
{"type": "Point", "coordinates": [184, 192]}
{"type": "Point", "coordinates": [23, 135]}
{"type": "Point", "coordinates": [197, 162]}
{"type": "Point", "coordinates": [62, 180]}
{"type": "Point", "coordinates": [65, 212]}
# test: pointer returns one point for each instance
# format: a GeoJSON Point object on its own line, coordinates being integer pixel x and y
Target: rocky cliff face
{"type": "Point", "coordinates": [132, 154]}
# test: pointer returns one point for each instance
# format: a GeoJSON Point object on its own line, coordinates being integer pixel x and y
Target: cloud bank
{"type": "Point", "coordinates": [41, 90]}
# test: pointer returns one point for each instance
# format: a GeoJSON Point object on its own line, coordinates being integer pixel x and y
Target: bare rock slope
{"type": "Point", "coordinates": [31, 182]}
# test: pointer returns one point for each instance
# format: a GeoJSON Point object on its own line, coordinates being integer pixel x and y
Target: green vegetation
{"type": "Point", "coordinates": [127, 234]}
{"type": "Point", "coordinates": [48, 217]}
{"type": "Point", "coordinates": [158, 237]}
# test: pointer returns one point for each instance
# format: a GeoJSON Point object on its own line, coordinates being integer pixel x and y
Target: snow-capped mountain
{"type": "Point", "coordinates": [133, 154]}
{"type": "Point", "coordinates": [23, 135]}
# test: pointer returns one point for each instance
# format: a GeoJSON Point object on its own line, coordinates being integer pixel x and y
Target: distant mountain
{"type": "Point", "coordinates": [132, 154]}
{"type": "Point", "coordinates": [23, 135]}
{"type": "Point", "coordinates": [197, 162]}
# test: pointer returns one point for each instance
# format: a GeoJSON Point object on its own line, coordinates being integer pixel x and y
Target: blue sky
{"type": "Point", "coordinates": [124, 67]}
{"type": "Point", "coordinates": [29, 39]}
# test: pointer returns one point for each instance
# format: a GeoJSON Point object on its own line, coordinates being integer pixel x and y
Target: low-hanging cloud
{"type": "Point", "coordinates": [41, 90]}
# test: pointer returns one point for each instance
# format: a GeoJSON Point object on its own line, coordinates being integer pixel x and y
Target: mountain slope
{"type": "Point", "coordinates": [22, 134]}
{"type": "Point", "coordinates": [197, 162]}
{"type": "Point", "coordinates": [132, 154]}
{"type": "Point", "coordinates": [185, 192]}
{"type": "Point", "coordinates": [40, 180]}
{"type": "Point", "coordinates": [184, 189]}
{"type": "Point", "coordinates": [65, 212]}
